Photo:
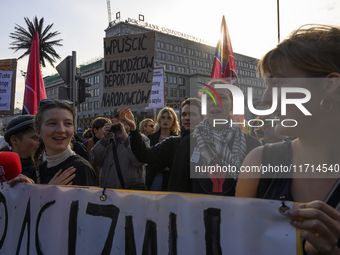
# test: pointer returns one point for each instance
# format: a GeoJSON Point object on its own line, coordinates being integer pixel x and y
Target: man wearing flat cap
{"type": "Point", "coordinates": [21, 138]}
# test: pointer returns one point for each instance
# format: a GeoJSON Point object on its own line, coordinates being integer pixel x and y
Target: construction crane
{"type": "Point", "coordinates": [108, 10]}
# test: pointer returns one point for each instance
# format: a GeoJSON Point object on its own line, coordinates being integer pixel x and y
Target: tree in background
{"type": "Point", "coordinates": [23, 39]}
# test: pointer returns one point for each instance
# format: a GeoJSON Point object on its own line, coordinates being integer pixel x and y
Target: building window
{"type": "Point", "coordinates": [96, 105]}
{"type": "Point", "coordinates": [171, 47]}
{"type": "Point", "coordinates": [180, 92]}
{"type": "Point", "coordinates": [186, 60]}
{"type": "Point", "coordinates": [169, 57]}
{"type": "Point", "coordinates": [172, 57]}
{"type": "Point", "coordinates": [180, 49]}
{"type": "Point", "coordinates": [174, 68]}
{"type": "Point", "coordinates": [154, 64]}
{"type": "Point", "coordinates": [171, 79]}
{"type": "Point", "coordinates": [176, 48]}
{"type": "Point", "coordinates": [90, 105]}
{"type": "Point", "coordinates": [171, 92]}
{"type": "Point", "coordinates": [96, 79]}
{"type": "Point", "coordinates": [167, 46]}
{"type": "Point", "coordinates": [160, 55]}
{"type": "Point", "coordinates": [158, 44]}
{"type": "Point", "coordinates": [166, 91]}
{"type": "Point", "coordinates": [163, 55]}
{"type": "Point", "coordinates": [96, 92]}
{"type": "Point", "coordinates": [84, 106]}
{"type": "Point", "coordinates": [166, 78]}
{"type": "Point", "coordinates": [175, 79]}
{"type": "Point", "coordinates": [194, 62]}
{"type": "Point", "coordinates": [175, 92]}
{"type": "Point", "coordinates": [162, 45]}
{"type": "Point", "coordinates": [188, 70]}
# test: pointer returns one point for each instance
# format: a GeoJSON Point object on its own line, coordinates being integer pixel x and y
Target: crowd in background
{"type": "Point", "coordinates": [157, 156]}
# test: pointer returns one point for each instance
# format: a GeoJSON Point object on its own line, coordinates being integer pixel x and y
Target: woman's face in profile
{"type": "Point", "coordinates": [219, 111]}
{"type": "Point", "coordinates": [286, 75]}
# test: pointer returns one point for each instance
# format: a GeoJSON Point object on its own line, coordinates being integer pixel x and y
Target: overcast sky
{"type": "Point", "coordinates": [252, 24]}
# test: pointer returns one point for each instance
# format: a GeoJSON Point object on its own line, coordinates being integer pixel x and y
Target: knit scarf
{"type": "Point", "coordinates": [59, 158]}
{"type": "Point", "coordinates": [213, 143]}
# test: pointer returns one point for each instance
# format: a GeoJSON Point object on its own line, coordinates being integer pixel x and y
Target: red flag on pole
{"type": "Point", "coordinates": [34, 86]}
{"type": "Point", "coordinates": [224, 64]}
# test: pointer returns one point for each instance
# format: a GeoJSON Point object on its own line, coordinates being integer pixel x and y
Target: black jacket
{"type": "Point", "coordinates": [153, 167]}
{"type": "Point", "coordinates": [180, 180]}
{"type": "Point", "coordinates": [162, 154]}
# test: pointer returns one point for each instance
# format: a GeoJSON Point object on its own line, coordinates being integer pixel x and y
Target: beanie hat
{"type": "Point", "coordinates": [18, 124]}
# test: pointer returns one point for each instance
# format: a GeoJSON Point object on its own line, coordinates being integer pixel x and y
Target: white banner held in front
{"type": "Point", "coordinates": [54, 220]}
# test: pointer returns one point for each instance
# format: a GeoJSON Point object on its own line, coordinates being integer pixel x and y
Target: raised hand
{"type": "Point", "coordinates": [126, 115]}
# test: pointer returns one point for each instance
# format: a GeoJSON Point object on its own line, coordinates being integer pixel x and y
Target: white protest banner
{"type": "Point", "coordinates": [128, 70]}
{"type": "Point", "coordinates": [54, 220]}
{"type": "Point", "coordinates": [157, 98]}
{"type": "Point", "coordinates": [7, 85]}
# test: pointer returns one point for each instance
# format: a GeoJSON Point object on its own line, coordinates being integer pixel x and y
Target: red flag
{"type": "Point", "coordinates": [224, 65]}
{"type": "Point", "coordinates": [34, 86]}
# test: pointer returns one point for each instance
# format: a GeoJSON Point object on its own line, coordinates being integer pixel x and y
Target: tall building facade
{"type": "Point", "coordinates": [185, 59]}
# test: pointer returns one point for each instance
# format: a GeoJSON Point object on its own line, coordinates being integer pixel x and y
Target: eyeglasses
{"type": "Point", "coordinates": [49, 101]}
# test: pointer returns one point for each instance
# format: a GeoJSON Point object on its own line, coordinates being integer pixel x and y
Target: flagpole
{"type": "Point", "coordinates": [278, 21]}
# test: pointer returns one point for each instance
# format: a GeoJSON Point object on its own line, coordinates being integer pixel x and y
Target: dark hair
{"type": "Point", "coordinates": [21, 133]}
{"type": "Point", "coordinates": [191, 101]}
{"type": "Point", "coordinates": [99, 122]}
{"type": "Point", "coordinates": [219, 81]}
{"type": "Point", "coordinates": [314, 49]}
{"type": "Point", "coordinates": [88, 133]}
{"type": "Point", "coordinates": [54, 104]}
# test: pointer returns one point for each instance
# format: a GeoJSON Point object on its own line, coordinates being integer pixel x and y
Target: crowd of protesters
{"type": "Point", "coordinates": [158, 155]}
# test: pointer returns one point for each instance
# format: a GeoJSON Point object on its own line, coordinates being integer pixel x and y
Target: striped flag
{"type": "Point", "coordinates": [224, 64]}
{"type": "Point", "coordinates": [34, 85]}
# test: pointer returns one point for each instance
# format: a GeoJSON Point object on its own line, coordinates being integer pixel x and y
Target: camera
{"type": "Point", "coordinates": [115, 128]}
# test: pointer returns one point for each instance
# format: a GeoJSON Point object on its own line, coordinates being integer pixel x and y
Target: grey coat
{"type": "Point", "coordinates": [132, 170]}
